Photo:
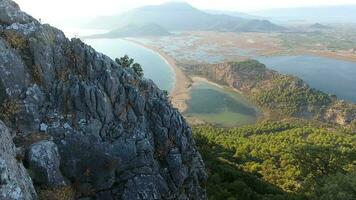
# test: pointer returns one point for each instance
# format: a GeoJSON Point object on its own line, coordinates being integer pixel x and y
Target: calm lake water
{"type": "Point", "coordinates": [220, 106]}
{"type": "Point", "coordinates": [328, 75]}
{"type": "Point", "coordinates": [154, 66]}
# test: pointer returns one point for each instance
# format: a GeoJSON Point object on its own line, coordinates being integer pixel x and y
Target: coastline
{"type": "Point", "coordinates": [196, 79]}
{"type": "Point", "coordinates": [180, 92]}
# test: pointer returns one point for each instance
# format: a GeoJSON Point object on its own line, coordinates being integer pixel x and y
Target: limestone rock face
{"type": "Point", "coordinates": [117, 135]}
{"type": "Point", "coordinates": [342, 113]}
{"type": "Point", "coordinates": [10, 13]}
{"type": "Point", "coordinates": [15, 183]}
{"type": "Point", "coordinates": [43, 161]}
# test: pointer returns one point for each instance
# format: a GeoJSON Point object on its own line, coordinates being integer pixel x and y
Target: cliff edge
{"type": "Point", "coordinates": [87, 123]}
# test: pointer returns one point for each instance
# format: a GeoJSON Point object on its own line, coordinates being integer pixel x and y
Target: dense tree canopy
{"type": "Point", "coordinates": [277, 160]}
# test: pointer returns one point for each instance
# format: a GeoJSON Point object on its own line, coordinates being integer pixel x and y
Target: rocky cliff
{"type": "Point", "coordinates": [15, 183]}
{"type": "Point", "coordinates": [85, 122]}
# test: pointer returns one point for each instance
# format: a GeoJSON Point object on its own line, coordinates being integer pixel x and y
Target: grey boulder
{"type": "Point", "coordinates": [15, 183]}
{"type": "Point", "coordinates": [43, 161]}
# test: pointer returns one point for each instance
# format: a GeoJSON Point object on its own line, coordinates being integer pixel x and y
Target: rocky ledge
{"type": "Point", "coordinates": [81, 121]}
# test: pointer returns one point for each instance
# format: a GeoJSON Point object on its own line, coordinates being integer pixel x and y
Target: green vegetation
{"type": "Point", "coordinates": [279, 160]}
{"type": "Point", "coordinates": [166, 93]}
{"type": "Point", "coordinates": [248, 65]}
{"type": "Point", "coordinates": [290, 96]}
{"type": "Point", "coordinates": [137, 69]}
{"type": "Point", "coordinates": [319, 40]}
{"type": "Point", "coordinates": [125, 61]}
{"type": "Point", "coordinates": [338, 186]}
{"type": "Point", "coordinates": [128, 62]}
{"type": "Point", "coordinates": [282, 95]}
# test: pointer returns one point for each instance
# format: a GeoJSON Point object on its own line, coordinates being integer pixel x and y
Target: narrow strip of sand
{"type": "Point", "coordinates": [180, 93]}
{"type": "Point", "coordinates": [196, 79]}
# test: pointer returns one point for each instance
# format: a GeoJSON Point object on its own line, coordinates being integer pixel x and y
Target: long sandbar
{"type": "Point", "coordinates": [180, 92]}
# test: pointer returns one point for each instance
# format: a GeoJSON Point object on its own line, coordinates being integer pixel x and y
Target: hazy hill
{"type": "Point", "coordinates": [134, 30]}
{"type": "Point", "coordinates": [182, 16]}
{"type": "Point", "coordinates": [319, 26]}
{"type": "Point", "coordinates": [321, 14]}
{"type": "Point", "coordinates": [234, 14]}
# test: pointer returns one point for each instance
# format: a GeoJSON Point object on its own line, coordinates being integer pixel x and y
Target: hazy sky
{"type": "Point", "coordinates": [54, 10]}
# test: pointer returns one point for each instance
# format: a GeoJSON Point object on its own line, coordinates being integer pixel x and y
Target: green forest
{"type": "Point", "coordinates": [291, 159]}
{"type": "Point", "coordinates": [290, 96]}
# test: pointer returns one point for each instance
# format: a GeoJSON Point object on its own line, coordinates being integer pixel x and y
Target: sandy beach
{"type": "Point", "coordinates": [197, 79]}
{"type": "Point", "coordinates": [180, 92]}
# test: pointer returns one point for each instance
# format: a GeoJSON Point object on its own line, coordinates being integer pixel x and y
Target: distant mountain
{"type": "Point", "coordinates": [234, 14]}
{"type": "Point", "coordinates": [134, 30]}
{"type": "Point", "coordinates": [182, 16]}
{"type": "Point", "coordinates": [321, 14]}
{"type": "Point", "coordinates": [319, 26]}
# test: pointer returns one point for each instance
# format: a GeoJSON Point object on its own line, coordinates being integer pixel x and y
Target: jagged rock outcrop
{"type": "Point", "coordinates": [117, 135]}
{"type": "Point", "coordinates": [15, 183]}
{"type": "Point", "coordinates": [342, 113]}
{"type": "Point", "coordinates": [10, 13]}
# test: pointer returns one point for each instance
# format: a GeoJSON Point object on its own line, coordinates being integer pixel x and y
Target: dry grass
{"type": "Point", "coordinates": [15, 39]}
{"type": "Point", "coordinates": [63, 74]}
{"type": "Point", "coordinates": [30, 139]}
{"type": "Point", "coordinates": [160, 155]}
{"type": "Point", "coordinates": [9, 108]}
{"type": "Point", "coordinates": [60, 193]}
{"type": "Point", "coordinates": [37, 74]}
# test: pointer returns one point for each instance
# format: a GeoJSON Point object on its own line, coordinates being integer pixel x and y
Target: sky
{"type": "Point", "coordinates": [55, 11]}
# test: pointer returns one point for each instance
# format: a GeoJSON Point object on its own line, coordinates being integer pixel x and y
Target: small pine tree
{"type": "Point", "coordinates": [138, 69]}
{"type": "Point", "coordinates": [125, 61]}
{"type": "Point", "coordinates": [166, 93]}
{"type": "Point", "coordinates": [128, 62]}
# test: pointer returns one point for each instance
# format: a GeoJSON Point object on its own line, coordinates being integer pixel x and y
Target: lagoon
{"type": "Point", "coordinates": [326, 74]}
{"type": "Point", "coordinates": [220, 106]}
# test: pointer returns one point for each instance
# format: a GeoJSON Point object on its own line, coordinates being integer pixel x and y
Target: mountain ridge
{"type": "Point", "coordinates": [182, 16]}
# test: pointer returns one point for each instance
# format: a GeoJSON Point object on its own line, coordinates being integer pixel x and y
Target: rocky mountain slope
{"type": "Point", "coordinates": [81, 121]}
{"type": "Point", "coordinates": [286, 95]}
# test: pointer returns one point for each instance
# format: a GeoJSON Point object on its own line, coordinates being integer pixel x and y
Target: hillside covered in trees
{"type": "Point", "coordinates": [279, 160]}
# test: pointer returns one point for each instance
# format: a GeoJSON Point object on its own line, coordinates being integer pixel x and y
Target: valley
{"type": "Point", "coordinates": [308, 51]}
